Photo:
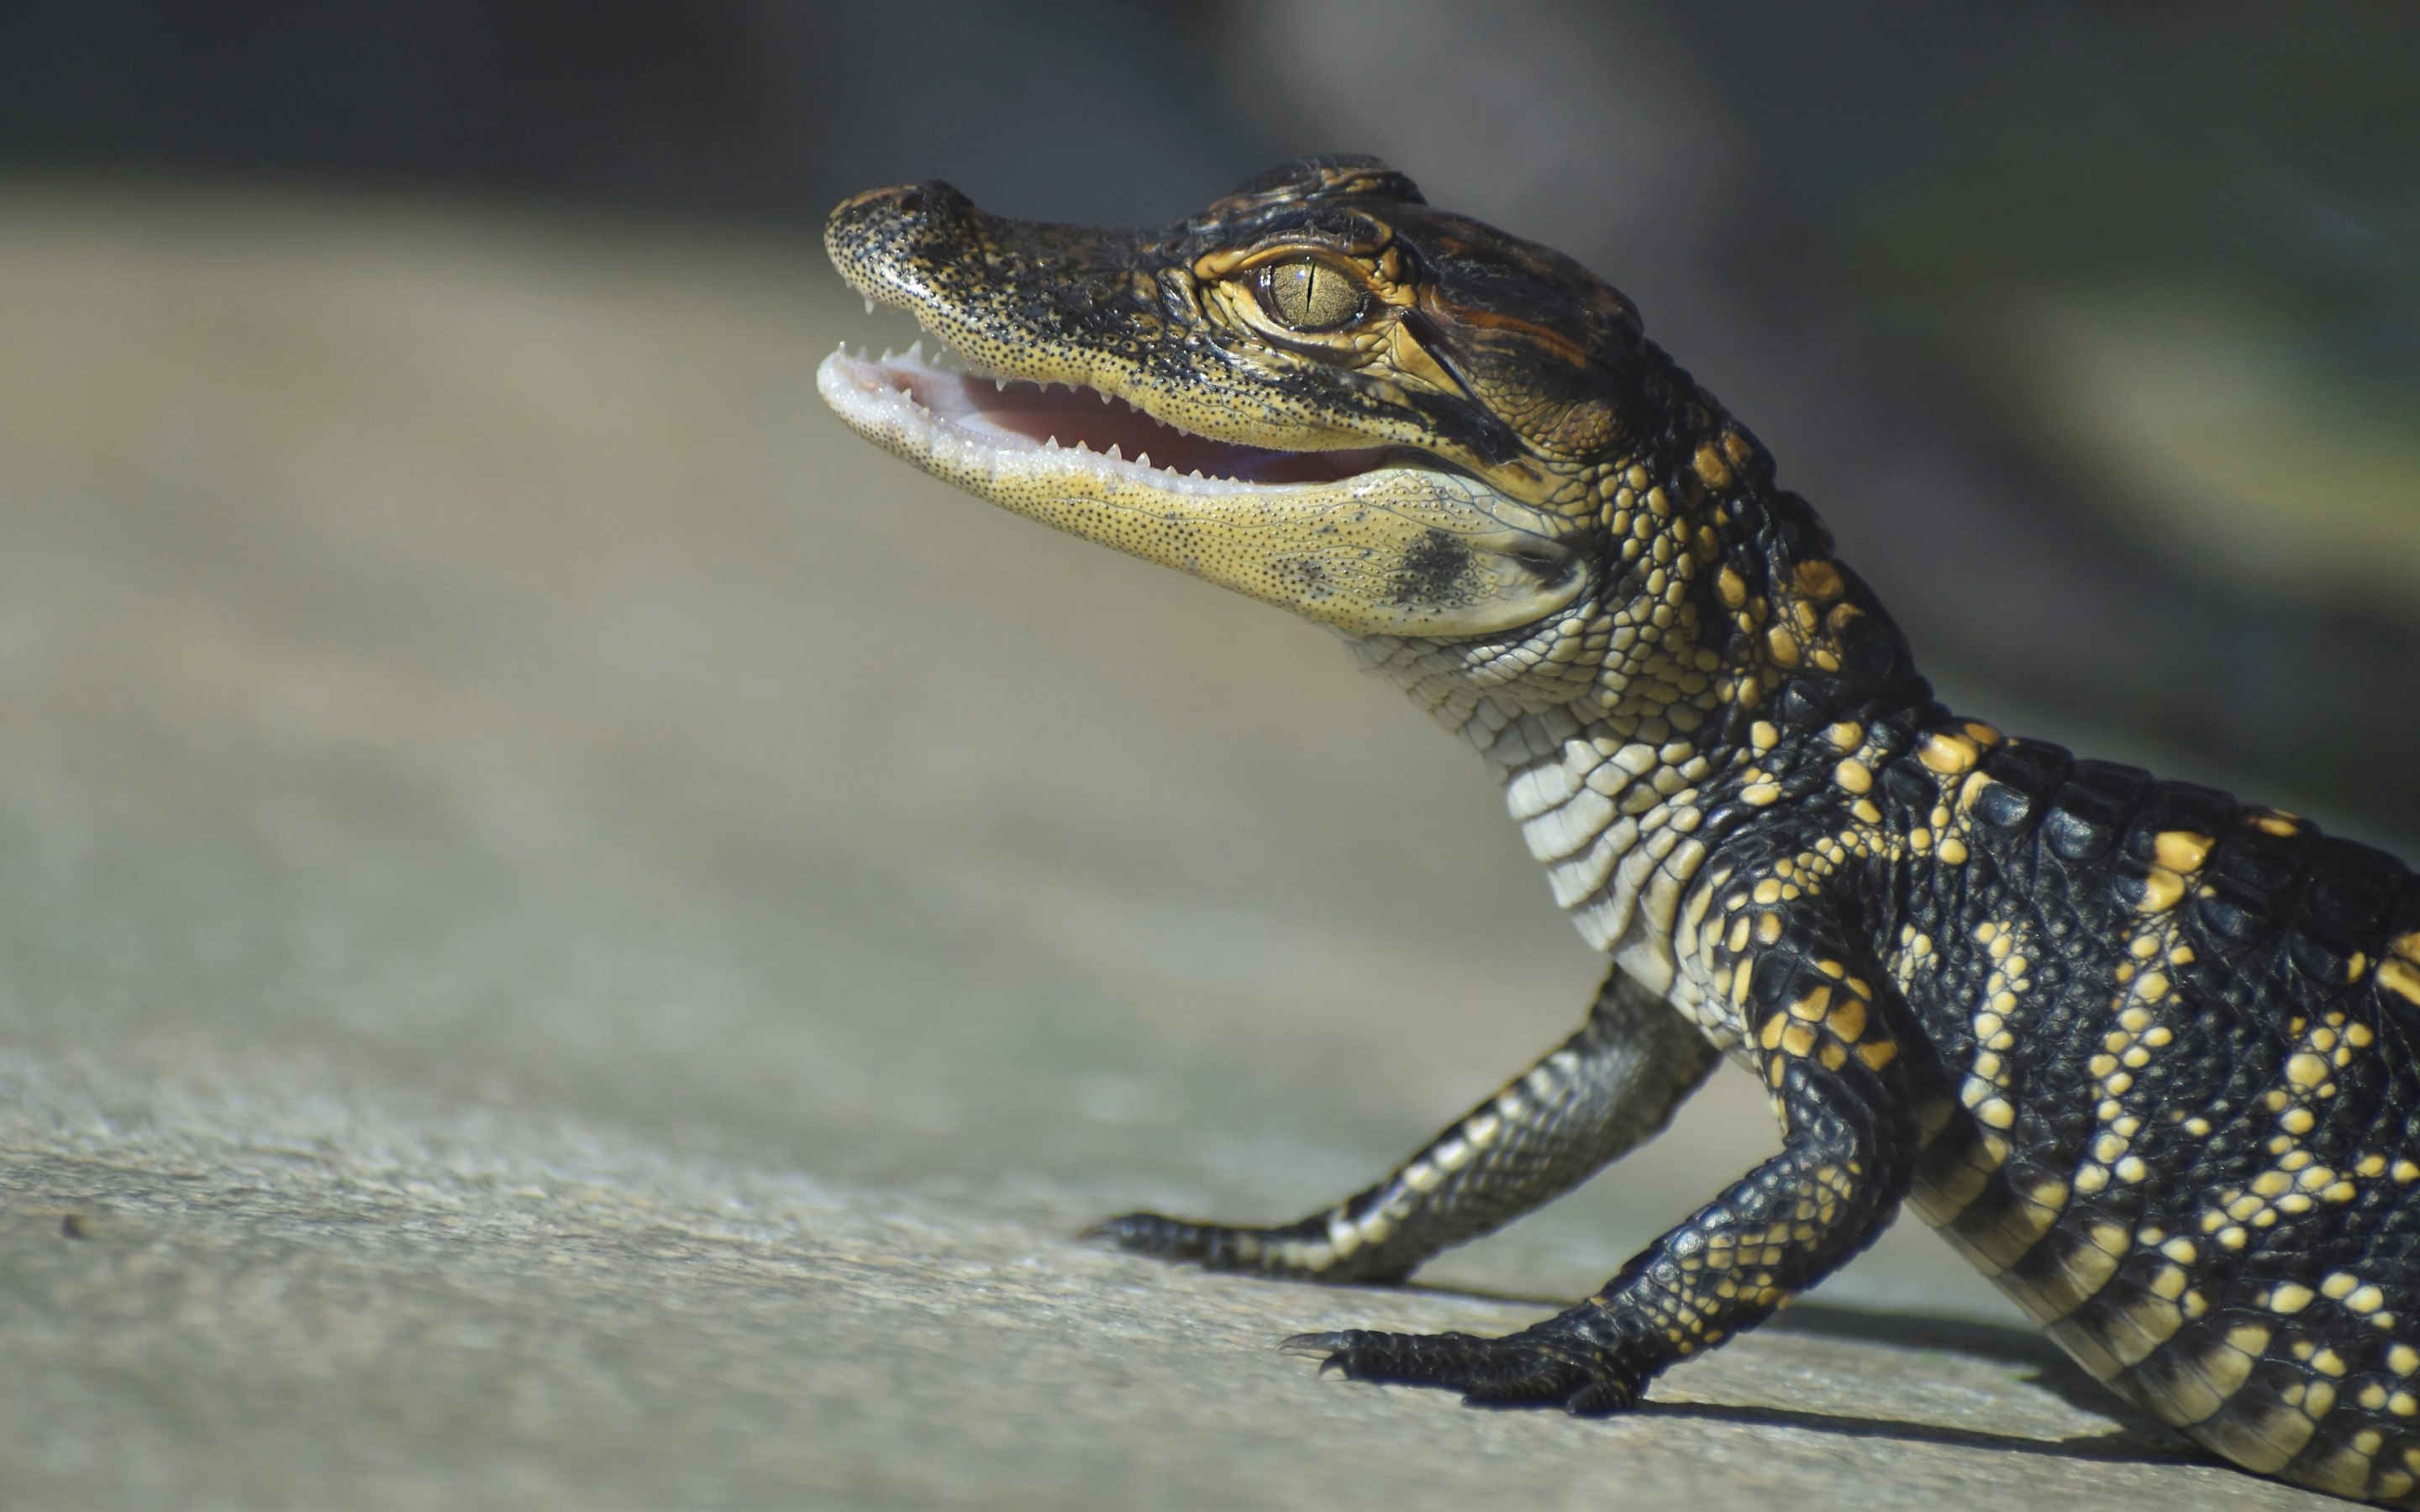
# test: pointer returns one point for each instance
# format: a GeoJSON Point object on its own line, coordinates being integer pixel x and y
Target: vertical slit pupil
{"type": "Point", "coordinates": [1309, 296]}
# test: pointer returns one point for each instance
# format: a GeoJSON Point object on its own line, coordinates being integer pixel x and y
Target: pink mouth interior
{"type": "Point", "coordinates": [1070, 416]}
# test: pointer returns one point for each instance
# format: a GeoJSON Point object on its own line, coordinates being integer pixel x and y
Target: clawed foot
{"type": "Point", "coordinates": [1524, 1369]}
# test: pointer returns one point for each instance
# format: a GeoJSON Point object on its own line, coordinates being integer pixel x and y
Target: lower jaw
{"type": "Point", "coordinates": [1392, 549]}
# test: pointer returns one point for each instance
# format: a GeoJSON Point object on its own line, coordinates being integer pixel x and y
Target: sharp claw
{"type": "Point", "coordinates": [1128, 1231]}
{"type": "Point", "coordinates": [1308, 1344]}
{"type": "Point", "coordinates": [1487, 1372]}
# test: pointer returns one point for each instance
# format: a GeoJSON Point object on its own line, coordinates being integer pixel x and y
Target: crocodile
{"type": "Point", "coordinates": [2141, 1052]}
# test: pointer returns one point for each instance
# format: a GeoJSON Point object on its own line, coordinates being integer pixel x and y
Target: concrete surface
{"type": "Point", "coordinates": [571, 935]}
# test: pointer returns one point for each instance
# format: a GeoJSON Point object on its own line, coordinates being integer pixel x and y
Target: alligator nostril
{"type": "Point", "coordinates": [912, 200]}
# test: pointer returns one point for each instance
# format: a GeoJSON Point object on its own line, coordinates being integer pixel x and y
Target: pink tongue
{"type": "Point", "coordinates": [1073, 416]}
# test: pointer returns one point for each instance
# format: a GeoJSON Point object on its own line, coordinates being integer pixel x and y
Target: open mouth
{"type": "Point", "coordinates": [1376, 540]}
{"type": "Point", "coordinates": [1007, 424]}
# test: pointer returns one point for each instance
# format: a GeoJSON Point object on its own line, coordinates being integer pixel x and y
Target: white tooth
{"type": "Point", "coordinates": [1142, 459]}
{"type": "Point", "coordinates": [1112, 453]}
{"type": "Point", "coordinates": [1002, 384]}
{"type": "Point", "coordinates": [869, 305]}
{"type": "Point", "coordinates": [1104, 398]}
{"type": "Point", "coordinates": [916, 350]}
{"type": "Point", "coordinates": [1082, 447]}
{"type": "Point", "coordinates": [1051, 445]}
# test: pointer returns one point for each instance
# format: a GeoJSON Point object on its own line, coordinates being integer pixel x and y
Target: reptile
{"type": "Point", "coordinates": [2139, 1051]}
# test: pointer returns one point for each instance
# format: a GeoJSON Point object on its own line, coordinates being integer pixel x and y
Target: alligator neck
{"type": "Point", "coordinates": [1723, 634]}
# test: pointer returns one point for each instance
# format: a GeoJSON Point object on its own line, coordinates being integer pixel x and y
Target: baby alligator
{"type": "Point", "coordinates": [2141, 1052]}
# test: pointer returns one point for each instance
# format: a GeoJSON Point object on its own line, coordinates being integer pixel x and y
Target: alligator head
{"type": "Point", "coordinates": [1330, 395]}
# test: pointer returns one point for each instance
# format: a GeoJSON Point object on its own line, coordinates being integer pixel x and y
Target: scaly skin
{"type": "Point", "coordinates": [2141, 1052]}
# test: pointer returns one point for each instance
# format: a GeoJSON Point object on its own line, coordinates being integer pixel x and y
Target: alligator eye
{"type": "Point", "coordinates": [1310, 295]}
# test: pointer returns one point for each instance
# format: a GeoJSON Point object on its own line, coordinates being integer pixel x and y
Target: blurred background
{"type": "Point", "coordinates": [472, 724]}
{"type": "Point", "coordinates": [2093, 328]}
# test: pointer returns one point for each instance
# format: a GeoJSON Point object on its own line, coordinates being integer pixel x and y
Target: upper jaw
{"type": "Point", "coordinates": [1009, 298]}
{"type": "Point", "coordinates": [1042, 320]}
{"type": "Point", "coordinates": [1118, 312]}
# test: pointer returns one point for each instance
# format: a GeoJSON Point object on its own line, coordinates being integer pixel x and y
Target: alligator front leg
{"type": "Point", "coordinates": [1830, 1056]}
{"type": "Point", "coordinates": [1605, 1092]}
